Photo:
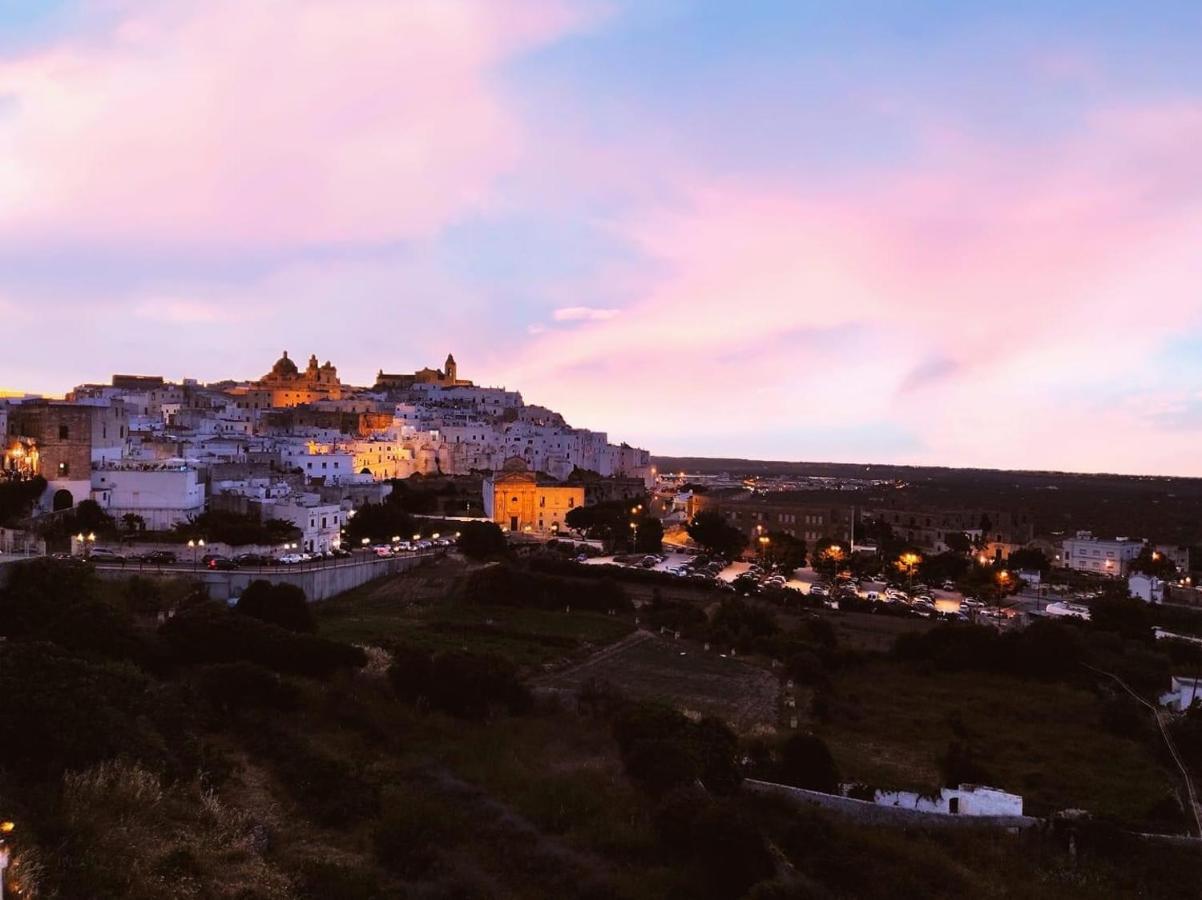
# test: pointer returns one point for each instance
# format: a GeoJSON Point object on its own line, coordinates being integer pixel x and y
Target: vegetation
{"type": "Point", "coordinates": [18, 496]}
{"type": "Point", "coordinates": [481, 540]}
{"type": "Point", "coordinates": [716, 535]}
{"type": "Point", "coordinates": [212, 755]}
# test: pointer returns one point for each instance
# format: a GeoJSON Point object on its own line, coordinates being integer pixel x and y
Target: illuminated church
{"type": "Point", "coordinates": [291, 387]}
{"type": "Point", "coordinates": [447, 376]}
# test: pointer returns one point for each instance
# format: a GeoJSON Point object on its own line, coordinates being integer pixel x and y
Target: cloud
{"type": "Point", "coordinates": [583, 314]}
{"type": "Point", "coordinates": [982, 295]}
{"type": "Point", "coordinates": [266, 124]}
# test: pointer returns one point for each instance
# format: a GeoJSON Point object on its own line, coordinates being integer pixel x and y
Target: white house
{"type": "Point", "coordinates": [162, 493]}
{"type": "Point", "coordinates": [1182, 694]}
{"type": "Point", "coordinates": [1145, 587]}
{"type": "Point", "coordinates": [966, 800]}
{"type": "Point", "coordinates": [320, 523]}
{"type": "Point", "coordinates": [1086, 553]}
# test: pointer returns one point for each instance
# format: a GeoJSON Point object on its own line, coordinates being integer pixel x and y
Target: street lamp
{"type": "Point", "coordinates": [1003, 583]}
{"type": "Point", "coordinates": [764, 542]}
{"type": "Point", "coordinates": [909, 561]}
{"type": "Point", "coordinates": [85, 541]}
{"type": "Point", "coordinates": [192, 545]}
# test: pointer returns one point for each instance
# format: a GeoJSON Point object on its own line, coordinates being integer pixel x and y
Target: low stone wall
{"type": "Point", "coordinates": [891, 816]}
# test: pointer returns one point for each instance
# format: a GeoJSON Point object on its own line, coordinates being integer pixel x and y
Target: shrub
{"type": "Point", "coordinates": [959, 764]}
{"type": "Point", "coordinates": [470, 684]}
{"type": "Point", "coordinates": [506, 585]}
{"type": "Point", "coordinates": [236, 686]}
{"type": "Point", "coordinates": [210, 633]}
{"type": "Point", "coordinates": [661, 749]}
{"type": "Point", "coordinates": [280, 604]}
{"type": "Point", "coordinates": [62, 712]}
{"type": "Point", "coordinates": [479, 540]}
{"type": "Point", "coordinates": [806, 762]}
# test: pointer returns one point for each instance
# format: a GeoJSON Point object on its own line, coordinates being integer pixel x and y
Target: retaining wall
{"type": "Point", "coordinates": [893, 816]}
{"type": "Point", "coordinates": [318, 582]}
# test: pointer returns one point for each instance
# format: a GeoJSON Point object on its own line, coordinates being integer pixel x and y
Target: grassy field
{"type": "Point", "coordinates": [683, 675]}
{"type": "Point", "coordinates": [1044, 741]}
{"type": "Point", "coordinates": [416, 607]}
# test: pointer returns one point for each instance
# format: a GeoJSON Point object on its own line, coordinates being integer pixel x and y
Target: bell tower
{"type": "Point", "coordinates": [450, 370]}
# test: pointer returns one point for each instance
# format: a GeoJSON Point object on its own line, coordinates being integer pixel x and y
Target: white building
{"type": "Point", "coordinates": [320, 523]}
{"type": "Point", "coordinates": [1182, 693]}
{"type": "Point", "coordinates": [1086, 553]}
{"type": "Point", "coordinates": [162, 493]}
{"type": "Point", "coordinates": [1145, 587]}
{"type": "Point", "coordinates": [966, 800]}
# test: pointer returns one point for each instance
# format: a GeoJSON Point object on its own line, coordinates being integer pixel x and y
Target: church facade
{"type": "Point", "coordinates": [286, 385]}
{"type": "Point", "coordinates": [516, 500]}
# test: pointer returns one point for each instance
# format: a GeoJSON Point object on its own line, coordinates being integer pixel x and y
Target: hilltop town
{"type": "Point", "coordinates": [296, 445]}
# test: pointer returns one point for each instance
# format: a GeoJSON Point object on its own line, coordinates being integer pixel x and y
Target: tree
{"type": "Point", "coordinates": [280, 604]}
{"type": "Point", "coordinates": [829, 556]}
{"type": "Point", "coordinates": [648, 535]}
{"type": "Point", "coordinates": [716, 535]}
{"type": "Point", "coordinates": [1030, 559]}
{"type": "Point", "coordinates": [957, 542]}
{"type": "Point", "coordinates": [1153, 562]}
{"type": "Point", "coordinates": [1125, 616]}
{"type": "Point", "coordinates": [806, 762]}
{"type": "Point", "coordinates": [480, 540]}
{"type": "Point", "coordinates": [132, 522]}
{"type": "Point", "coordinates": [785, 551]}
{"type": "Point", "coordinates": [960, 765]}
{"type": "Point", "coordinates": [379, 522]}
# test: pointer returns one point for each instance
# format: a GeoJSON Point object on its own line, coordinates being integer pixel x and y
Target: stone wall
{"type": "Point", "coordinates": [891, 816]}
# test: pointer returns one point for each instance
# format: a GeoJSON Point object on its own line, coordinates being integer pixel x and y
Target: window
{"type": "Point", "coordinates": [571, 502]}
{"type": "Point", "coordinates": [64, 469]}
{"type": "Point", "coordinates": [64, 433]}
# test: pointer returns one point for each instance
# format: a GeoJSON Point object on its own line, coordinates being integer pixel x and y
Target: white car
{"type": "Point", "coordinates": [291, 559]}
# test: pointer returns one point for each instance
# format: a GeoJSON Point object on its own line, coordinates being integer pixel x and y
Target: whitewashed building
{"type": "Point", "coordinates": [965, 800]}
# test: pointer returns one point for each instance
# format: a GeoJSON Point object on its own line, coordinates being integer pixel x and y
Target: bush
{"type": "Point", "coordinates": [806, 762]}
{"type": "Point", "coordinates": [960, 765]}
{"type": "Point", "coordinates": [233, 687]}
{"type": "Point", "coordinates": [506, 585]}
{"type": "Point", "coordinates": [661, 749]}
{"type": "Point", "coordinates": [210, 633]}
{"type": "Point", "coordinates": [480, 540]}
{"type": "Point", "coordinates": [280, 604]}
{"type": "Point", "coordinates": [62, 712]}
{"type": "Point", "coordinates": [470, 684]}
{"type": "Point", "coordinates": [463, 684]}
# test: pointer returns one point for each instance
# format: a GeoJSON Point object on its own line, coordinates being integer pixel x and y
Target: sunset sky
{"type": "Point", "coordinates": [947, 233]}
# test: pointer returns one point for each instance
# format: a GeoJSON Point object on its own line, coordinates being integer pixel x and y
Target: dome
{"type": "Point", "coordinates": [284, 366]}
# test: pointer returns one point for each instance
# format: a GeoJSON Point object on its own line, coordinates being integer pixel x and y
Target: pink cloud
{"type": "Point", "coordinates": [275, 122]}
{"type": "Point", "coordinates": [985, 301]}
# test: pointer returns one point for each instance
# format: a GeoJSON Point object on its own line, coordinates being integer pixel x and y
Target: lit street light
{"type": "Point", "coordinates": [193, 545]}
{"type": "Point", "coordinates": [909, 562]}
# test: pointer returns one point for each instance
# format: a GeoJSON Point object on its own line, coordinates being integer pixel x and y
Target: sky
{"type": "Point", "coordinates": [947, 233]}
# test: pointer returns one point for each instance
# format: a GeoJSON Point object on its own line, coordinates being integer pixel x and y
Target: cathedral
{"type": "Point", "coordinates": [447, 376]}
{"type": "Point", "coordinates": [291, 387]}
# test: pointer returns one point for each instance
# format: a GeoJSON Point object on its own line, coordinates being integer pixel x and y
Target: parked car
{"type": "Point", "coordinates": [291, 559]}
{"type": "Point", "coordinates": [819, 590]}
{"type": "Point", "coordinates": [222, 563]}
{"type": "Point", "coordinates": [252, 559]}
{"type": "Point", "coordinates": [104, 554]}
